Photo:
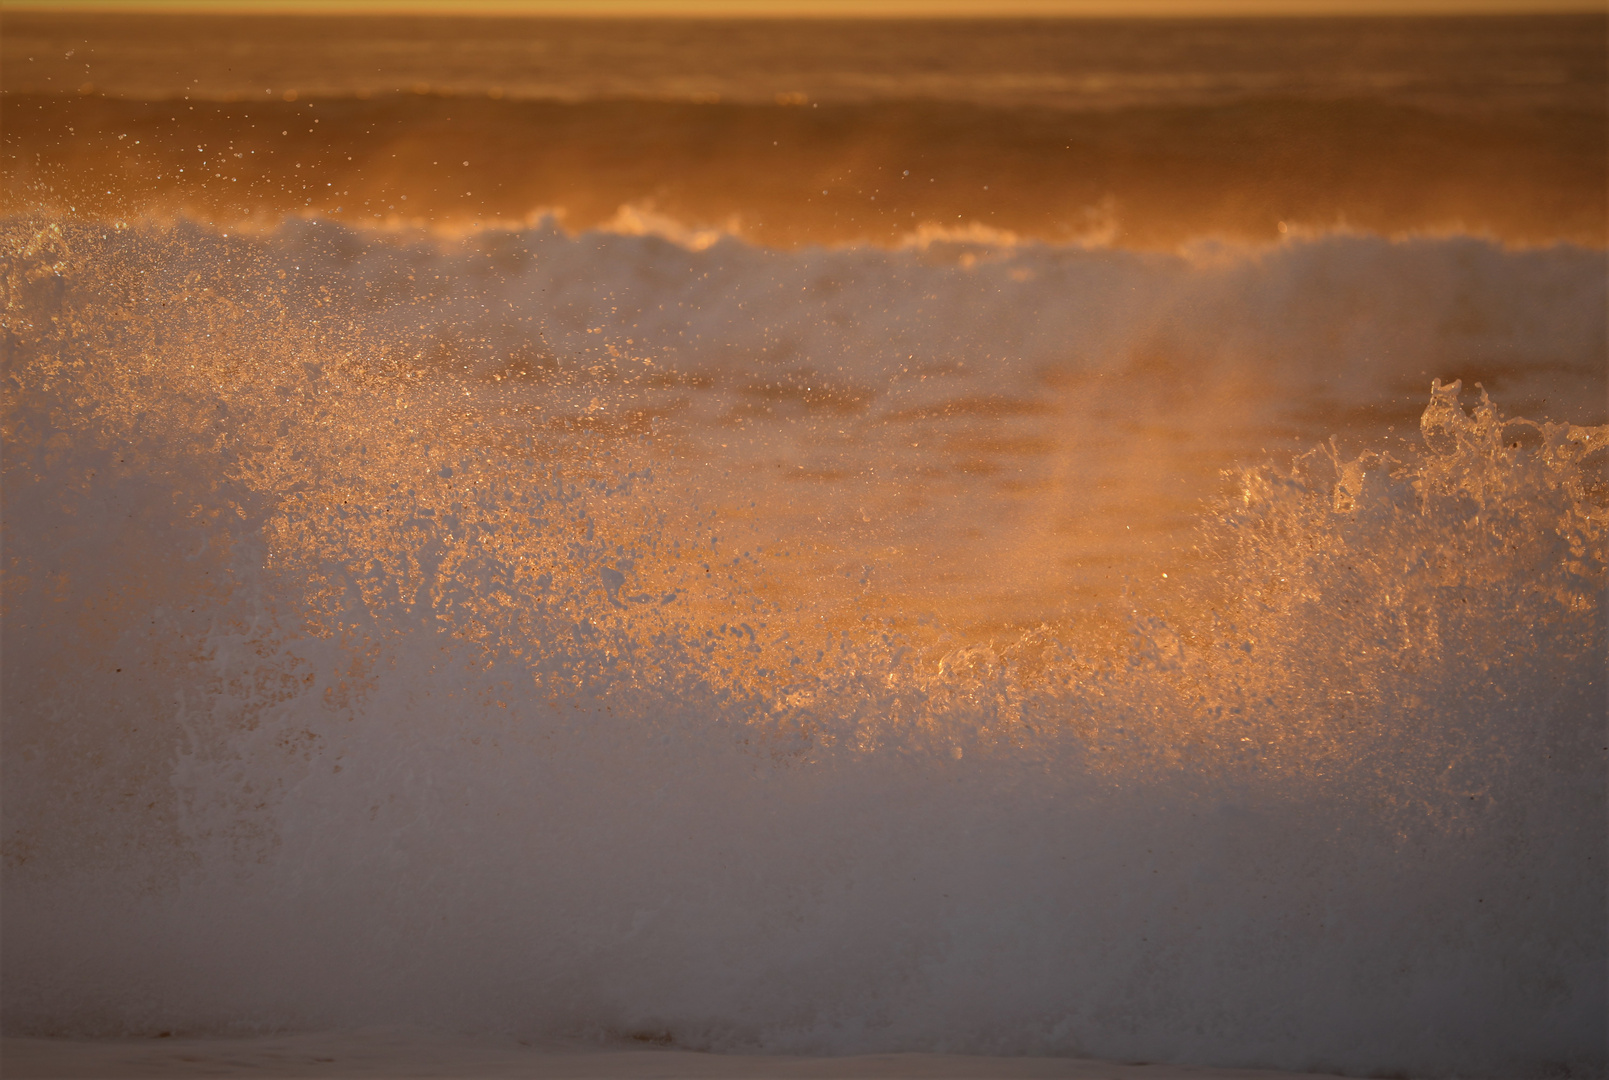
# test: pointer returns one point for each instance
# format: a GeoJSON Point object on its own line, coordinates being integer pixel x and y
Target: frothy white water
{"type": "Point", "coordinates": [1352, 314]}
{"type": "Point", "coordinates": [376, 651]}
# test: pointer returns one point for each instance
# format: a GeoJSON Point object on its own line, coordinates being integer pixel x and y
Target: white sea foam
{"type": "Point", "coordinates": [377, 650]}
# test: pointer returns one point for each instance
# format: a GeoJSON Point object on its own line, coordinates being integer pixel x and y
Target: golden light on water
{"type": "Point", "coordinates": [1044, 538]}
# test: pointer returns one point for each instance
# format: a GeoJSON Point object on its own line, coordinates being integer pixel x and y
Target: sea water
{"type": "Point", "coordinates": [978, 538]}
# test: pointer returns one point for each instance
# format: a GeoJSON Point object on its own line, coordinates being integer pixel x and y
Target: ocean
{"type": "Point", "coordinates": [1024, 538]}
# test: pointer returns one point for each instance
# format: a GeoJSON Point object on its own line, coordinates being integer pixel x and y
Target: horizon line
{"type": "Point", "coordinates": [841, 9]}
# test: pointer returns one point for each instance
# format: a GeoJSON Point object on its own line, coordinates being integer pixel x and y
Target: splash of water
{"type": "Point", "coordinates": [334, 697]}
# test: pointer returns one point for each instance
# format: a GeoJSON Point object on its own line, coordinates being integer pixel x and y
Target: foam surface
{"type": "Point", "coordinates": [596, 637]}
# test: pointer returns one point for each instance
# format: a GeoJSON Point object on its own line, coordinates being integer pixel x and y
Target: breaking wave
{"type": "Point", "coordinates": [368, 659]}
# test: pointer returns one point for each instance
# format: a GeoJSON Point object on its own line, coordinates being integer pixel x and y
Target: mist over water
{"type": "Point", "coordinates": [957, 639]}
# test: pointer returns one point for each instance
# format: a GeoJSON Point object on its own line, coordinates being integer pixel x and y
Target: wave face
{"type": "Point", "coordinates": [960, 647]}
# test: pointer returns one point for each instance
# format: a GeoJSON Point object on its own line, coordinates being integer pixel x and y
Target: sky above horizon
{"type": "Point", "coordinates": [825, 8]}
